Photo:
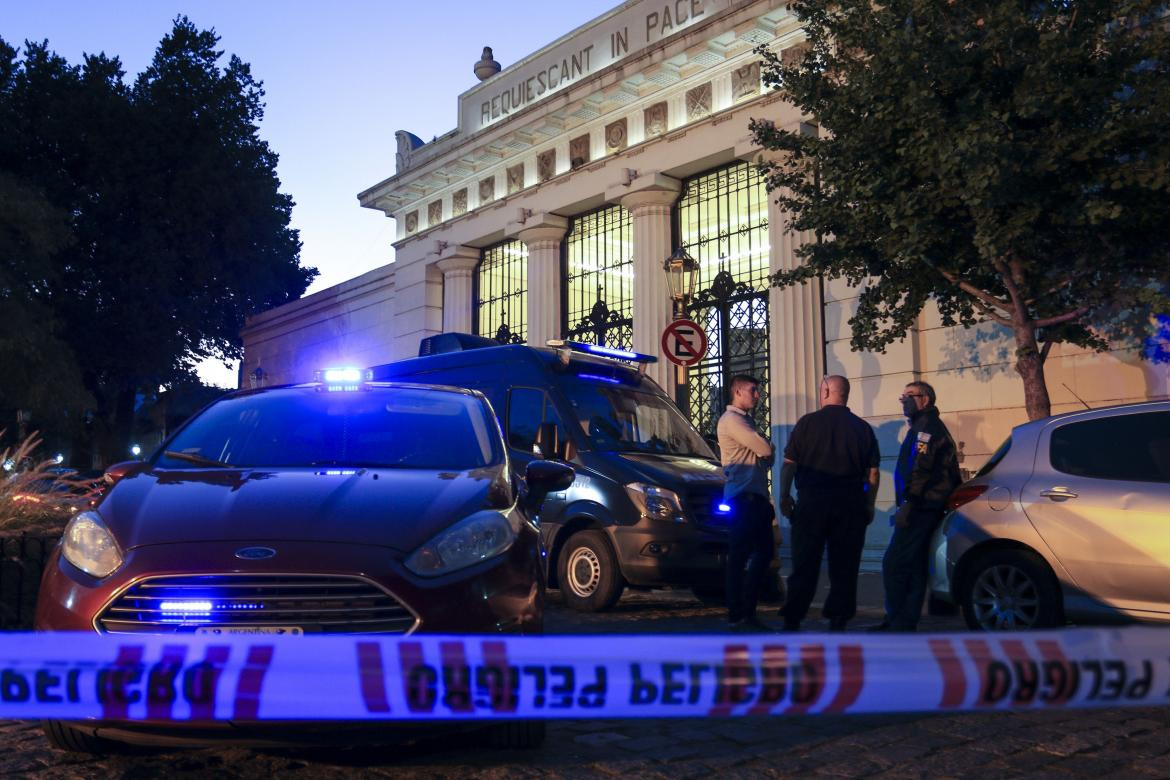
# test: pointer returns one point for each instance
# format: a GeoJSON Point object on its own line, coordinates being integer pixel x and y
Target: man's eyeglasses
{"type": "Point", "coordinates": [904, 396]}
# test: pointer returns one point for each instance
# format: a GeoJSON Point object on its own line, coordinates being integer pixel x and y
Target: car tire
{"type": "Point", "coordinates": [65, 737]}
{"type": "Point", "coordinates": [588, 573]}
{"type": "Point", "coordinates": [1007, 590]}
{"type": "Point", "coordinates": [517, 735]}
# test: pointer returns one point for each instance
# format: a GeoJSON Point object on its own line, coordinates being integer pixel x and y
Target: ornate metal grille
{"type": "Point", "coordinates": [723, 223]}
{"type": "Point", "coordinates": [501, 293]}
{"type": "Point", "coordinates": [598, 274]}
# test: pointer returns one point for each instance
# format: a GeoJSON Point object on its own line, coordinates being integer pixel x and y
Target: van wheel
{"type": "Point", "coordinates": [1008, 590]}
{"type": "Point", "coordinates": [64, 737]}
{"type": "Point", "coordinates": [588, 573]}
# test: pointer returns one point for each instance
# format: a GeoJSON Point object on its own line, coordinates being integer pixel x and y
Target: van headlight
{"type": "Point", "coordinates": [89, 545]}
{"type": "Point", "coordinates": [476, 538]}
{"type": "Point", "coordinates": [656, 502]}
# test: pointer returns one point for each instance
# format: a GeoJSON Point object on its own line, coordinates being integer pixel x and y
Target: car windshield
{"type": "Point", "coordinates": [617, 418]}
{"type": "Point", "coordinates": [375, 427]}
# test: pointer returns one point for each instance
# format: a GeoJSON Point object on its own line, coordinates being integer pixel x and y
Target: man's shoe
{"type": "Point", "coordinates": [838, 624]}
{"type": "Point", "coordinates": [880, 627]}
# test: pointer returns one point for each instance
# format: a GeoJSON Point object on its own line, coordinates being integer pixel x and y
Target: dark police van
{"type": "Point", "coordinates": [646, 507]}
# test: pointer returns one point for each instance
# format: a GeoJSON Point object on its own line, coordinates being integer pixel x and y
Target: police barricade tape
{"type": "Point", "coordinates": [197, 678]}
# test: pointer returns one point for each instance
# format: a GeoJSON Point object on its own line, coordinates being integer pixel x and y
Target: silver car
{"type": "Point", "coordinates": [1068, 521]}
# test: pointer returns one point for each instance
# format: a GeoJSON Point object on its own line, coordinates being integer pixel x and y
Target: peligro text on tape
{"type": "Point", "coordinates": [200, 678]}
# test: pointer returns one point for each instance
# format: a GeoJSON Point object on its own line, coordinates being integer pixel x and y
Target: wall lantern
{"type": "Point", "coordinates": [682, 270]}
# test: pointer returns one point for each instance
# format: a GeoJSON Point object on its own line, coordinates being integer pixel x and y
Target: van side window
{"type": "Point", "coordinates": [1133, 447]}
{"type": "Point", "coordinates": [527, 409]}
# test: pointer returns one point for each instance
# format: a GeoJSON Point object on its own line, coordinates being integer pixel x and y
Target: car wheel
{"type": "Point", "coordinates": [64, 737]}
{"type": "Point", "coordinates": [1011, 589]}
{"type": "Point", "coordinates": [589, 577]}
{"type": "Point", "coordinates": [517, 735]}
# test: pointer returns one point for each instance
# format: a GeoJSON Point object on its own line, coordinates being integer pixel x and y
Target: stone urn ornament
{"type": "Point", "coordinates": [486, 67]}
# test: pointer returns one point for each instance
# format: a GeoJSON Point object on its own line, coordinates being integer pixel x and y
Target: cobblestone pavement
{"type": "Point", "coordinates": [1100, 744]}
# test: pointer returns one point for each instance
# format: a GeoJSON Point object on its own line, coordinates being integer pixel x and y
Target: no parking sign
{"type": "Point", "coordinates": [684, 342]}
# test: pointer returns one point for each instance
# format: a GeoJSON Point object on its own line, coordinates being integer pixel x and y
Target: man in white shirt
{"type": "Point", "coordinates": [746, 457]}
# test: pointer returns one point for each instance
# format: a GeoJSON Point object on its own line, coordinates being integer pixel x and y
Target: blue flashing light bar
{"type": "Point", "coordinates": [597, 349]}
{"type": "Point", "coordinates": [723, 508]}
{"type": "Point", "coordinates": [185, 610]}
{"type": "Point", "coordinates": [600, 378]}
{"type": "Point", "coordinates": [342, 376]}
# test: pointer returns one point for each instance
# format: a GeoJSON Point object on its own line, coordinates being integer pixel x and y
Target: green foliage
{"type": "Point", "coordinates": [156, 213]}
{"type": "Point", "coordinates": [1007, 159]}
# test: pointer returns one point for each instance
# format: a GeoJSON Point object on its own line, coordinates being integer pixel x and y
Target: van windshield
{"type": "Point", "coordinates": [616, 418]}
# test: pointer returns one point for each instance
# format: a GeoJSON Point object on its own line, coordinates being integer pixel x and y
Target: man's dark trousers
{"type": "Point", "coordinates": [837, 520]}
{"type": "Point", "coordinates": [905, 569]}
{"type": "Point", "coordinates": [750, 543]}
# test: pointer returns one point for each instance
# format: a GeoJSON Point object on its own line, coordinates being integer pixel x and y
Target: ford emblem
{"type": "Point", "coordinates": [255, 553]}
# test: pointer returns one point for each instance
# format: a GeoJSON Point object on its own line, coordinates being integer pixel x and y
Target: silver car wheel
{"type": "Point", "coordinates": [1005, 597]}
{"type": "Point", "coordinates": [584, 572]}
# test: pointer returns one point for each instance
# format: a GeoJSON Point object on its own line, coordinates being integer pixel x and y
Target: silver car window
{"type": "Point", "coordinates": [1132, 447]}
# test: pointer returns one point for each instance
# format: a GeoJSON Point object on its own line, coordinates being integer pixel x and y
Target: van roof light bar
{"type": "Point", "coordinates": [597, 349]}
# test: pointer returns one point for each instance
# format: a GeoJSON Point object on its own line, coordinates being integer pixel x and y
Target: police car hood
{"type": "Point", "coordinates": [673, 471]}
{"type": "Point", "coordinates": [399, 509]}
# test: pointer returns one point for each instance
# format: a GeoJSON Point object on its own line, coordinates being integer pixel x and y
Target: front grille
{"type": "Point", "coordinates": [701, 506]}
{"type": "Point", "coordinates": [313, 604]}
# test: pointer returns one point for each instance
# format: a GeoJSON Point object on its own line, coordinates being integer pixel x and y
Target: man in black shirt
{"type": "Point", "coordinates": [833, 457]}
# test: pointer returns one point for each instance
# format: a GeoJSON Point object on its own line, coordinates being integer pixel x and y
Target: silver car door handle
{"type": "Point", "coordinates": [1058, 494]}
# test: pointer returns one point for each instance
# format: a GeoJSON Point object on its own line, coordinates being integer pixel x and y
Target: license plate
{"type": "Point", "coordinates": [236, 630]}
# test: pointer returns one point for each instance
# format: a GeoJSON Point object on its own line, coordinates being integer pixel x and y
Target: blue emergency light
{"type": "Point", "coordinates": [723, 508]}
{"type": "Point", "coordinates": [341, 379]}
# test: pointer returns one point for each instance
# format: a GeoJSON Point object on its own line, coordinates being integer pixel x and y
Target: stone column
{"type": "Point", "coordinates": [650, 199]}
{"type": "Point", "coordinates": [458, 266]}
{"type": "Point", "coordinates": [542, 233]}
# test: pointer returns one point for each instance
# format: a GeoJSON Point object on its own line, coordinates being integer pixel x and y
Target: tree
{"type": "Point", "coordinates": [178, 228]}
{"type": "Point", "coordinates": [1007, 159]}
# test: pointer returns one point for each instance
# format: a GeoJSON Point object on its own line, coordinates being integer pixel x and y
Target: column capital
{"type": "Point", "coordinates": [456, 258]}
{"type": "Point", "coordinates": [532, 227]}
{"type": "Point", "coordinates": [649, 191]}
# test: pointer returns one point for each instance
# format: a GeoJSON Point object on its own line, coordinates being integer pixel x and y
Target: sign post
{"type": "Point", "coordinates": [684, 343]}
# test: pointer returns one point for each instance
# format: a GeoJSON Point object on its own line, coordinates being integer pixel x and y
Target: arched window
{"type": "Point", "coordinates": [598, 279]}
{"type": "Point", "coordinates": [722, 221]}
{"type": "Point", "coordinates": [501, 293]}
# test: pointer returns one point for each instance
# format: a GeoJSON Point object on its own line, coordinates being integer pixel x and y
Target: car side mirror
{"type": "Point", "coordinates": [119, 471]}
{"type": "Point", "coordinates": [544, 477]}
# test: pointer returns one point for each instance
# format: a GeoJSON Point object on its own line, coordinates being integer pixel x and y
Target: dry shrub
{"type": "Point", "coordinates": [37, 496]}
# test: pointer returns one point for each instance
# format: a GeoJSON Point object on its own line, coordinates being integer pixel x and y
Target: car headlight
{"type": "Point", "coordinates": [90, 546]}
{"type": "Point", "coordinates": [656, 502]}
{"type": "Point", "coordinates": [476, 538]}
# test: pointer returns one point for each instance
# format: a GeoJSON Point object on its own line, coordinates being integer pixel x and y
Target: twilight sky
{"type": "Point", "coordinates": [340, 78]}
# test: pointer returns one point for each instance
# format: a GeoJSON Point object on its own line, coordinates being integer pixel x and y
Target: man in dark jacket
{"type": "Point", "coordinates": [926, 474]}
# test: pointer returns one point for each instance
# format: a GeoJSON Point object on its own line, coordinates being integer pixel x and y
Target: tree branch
{"type": "Point", "coordinates": [988, 301]}
{"type": "Point", "coordinates": [1048, 322]}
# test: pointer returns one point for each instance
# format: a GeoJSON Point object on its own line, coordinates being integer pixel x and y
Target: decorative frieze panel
{"type": "Point", "coordinates": [616, 136]}
{"type": "Point", "coordinates": [699, 102]}
{"type": "Point", "coordinates": [487, 190]}
{"type": "Point", "coordinates": [579, 151]}
{"type": "Point", "coordinates": [745, 82]}
{"type": "Point", "coordinates": [515, 178]}
{"type": "Point", "coordinates": [411, 222]}
{"type": "Point", "coordinates": [546, 165]}
{"type": "Point", "coordinates": [434, 213]}
{"type": "Point", "coordinates": [459, 202]}
{"type": "Point", "coordinates": [655, 119]}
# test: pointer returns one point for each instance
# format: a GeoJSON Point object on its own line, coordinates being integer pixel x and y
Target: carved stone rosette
{"type": "Point", "coordinates": [615, 136]}
{"type": "Point", "coordinates": [654, 118]}
{"type": "Point", "coordinates": [516, 178]}
{"type": "Point", "coordinates": [434, 212]}
{"type": "Point", "coordinates": [699, 102]}
{"type": "Point", "coordinates": [546, 165]}
{"type": "Point", "coordinates": [411, 221]}
{"type": "Point", "coordinates": [487, 190]}
{"type": "Point", "coordinates": [745, 82]}
{"type": "Point", "coordinates": [579, 151]}
{"type": "Point", "coordinates": [459, 202]}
